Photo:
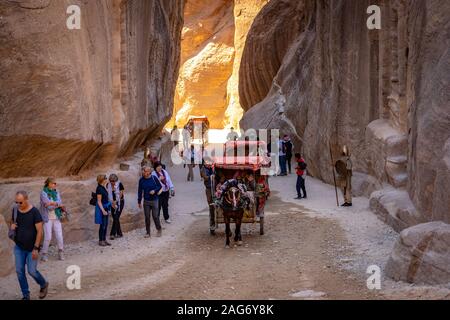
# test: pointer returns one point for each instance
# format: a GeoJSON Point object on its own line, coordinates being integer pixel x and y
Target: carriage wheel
{"type": "Point", "coordinates": [261, 226]}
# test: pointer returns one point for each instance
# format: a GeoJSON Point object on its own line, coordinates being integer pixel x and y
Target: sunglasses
{"type": "Point", "coordinates": [19, 202]}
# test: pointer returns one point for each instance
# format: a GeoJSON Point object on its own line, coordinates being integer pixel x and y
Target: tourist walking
{"type": "Point", "coordinates": [190, 159]}
{"type": "Point", "coordinates": [116, 198]}
{"type": "Point", "coordinates": [52, 213]}
{"type": "Point", "coordinates": [149, 190]}
{"type": "Point", "coordinates": [167, 190]}
{"type": "Point", "coordinates": [301, 176]}
{"type": "Point", "coordinates": [282, 157]}
{"type": "Point", "coordinates": [27, 232]}
{"type": "Point", "coordinates": [102, 209]}
{"type": "Point", "coordinates": [175, 136]}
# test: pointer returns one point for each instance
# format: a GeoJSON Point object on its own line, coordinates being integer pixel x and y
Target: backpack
{"type": "Point", "coordinates": [93, 201]}
{"type": "Point", "coordinates": [302, 165]}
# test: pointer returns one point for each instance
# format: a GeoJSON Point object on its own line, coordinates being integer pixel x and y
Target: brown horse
{"type": "Point", "coordinates": [233, 210]}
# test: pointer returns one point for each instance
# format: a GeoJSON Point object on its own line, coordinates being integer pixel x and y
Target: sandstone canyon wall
{"type": "Point", "coordinates": [74, 99]}
{"type": "Point", "coordinates": [384, 93]}
{"type": "Point", "coordinates": [213, 39]}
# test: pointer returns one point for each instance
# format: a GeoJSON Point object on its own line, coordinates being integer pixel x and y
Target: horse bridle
{"type": "Point", "coordinates": [231, 198]}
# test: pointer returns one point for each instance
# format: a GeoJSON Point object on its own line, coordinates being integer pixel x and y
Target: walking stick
{"type": "Point", "coordinates": [334, 177]}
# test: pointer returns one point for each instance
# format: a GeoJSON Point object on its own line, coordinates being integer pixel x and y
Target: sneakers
{"type": "Point", "coordinates": [147, 236]}
{"type": "Point", "coordinates": [111, 238]}
{"type": "Point", "coordinates": [159, 233]}
{"type": "Point", "coordinates": [104, 243]}
{"type": "Point", "coordinates": [26, 298]}
{"type": "Point", "coordinates": [298, 198]}
{"type": "Point", "coordinates": [347, 204]}
{"type": "Point", "coordinates": [107, 243]}
{"type": "Point", "coordinates": [43, 292]}
{"type": "Point", "coordinates": [44, 257]}
{"type": "Point", "coordinates": [61, 255]}
{"type": "Point", "coordinates": [168, 221]}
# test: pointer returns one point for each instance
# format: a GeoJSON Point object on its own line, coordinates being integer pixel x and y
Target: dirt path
{"type": "Point", "coordinates": [292, 257]}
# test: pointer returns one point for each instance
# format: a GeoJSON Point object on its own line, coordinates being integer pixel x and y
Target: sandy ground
{"type": "Point", "coordinates": [311, 250]}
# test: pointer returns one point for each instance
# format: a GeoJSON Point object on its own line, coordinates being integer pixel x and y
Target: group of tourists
{"type": "Point", "coordinates": [32, 229]}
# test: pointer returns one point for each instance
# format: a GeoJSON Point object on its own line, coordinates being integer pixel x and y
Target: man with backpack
{"type": "Point", "coordinates": [301, 176]}
{"type": "Point", "coordinates": [288, 147]}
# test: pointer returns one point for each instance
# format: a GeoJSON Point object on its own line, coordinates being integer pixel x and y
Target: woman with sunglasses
{"type": "Point", "coordinates": [51, 211]}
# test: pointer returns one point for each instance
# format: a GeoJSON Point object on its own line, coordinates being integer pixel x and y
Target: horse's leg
{"type": "Point", "coordinates": [227, 231]}
{"type": "Point", "coordinates": [238, 237]}
{"type": "Point", "coordinates": [237, 229]}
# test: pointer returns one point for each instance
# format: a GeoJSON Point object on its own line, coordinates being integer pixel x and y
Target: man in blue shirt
{"type": "Point", "coordinates": [150, 188]}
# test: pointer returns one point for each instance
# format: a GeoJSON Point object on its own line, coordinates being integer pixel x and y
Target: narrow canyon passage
{"type": "Point", "coordinates": [309, 251]}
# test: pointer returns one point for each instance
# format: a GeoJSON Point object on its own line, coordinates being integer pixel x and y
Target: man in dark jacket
{"type": "Point", "coordinates": [288, 147]}
{"type": "Point", "coordinates": [150, 188]}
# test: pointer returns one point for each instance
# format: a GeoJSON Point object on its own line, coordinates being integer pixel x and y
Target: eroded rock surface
{"type": "Point", "coordinates": [422, 255]}
{"type": "Point", "coordinates": [383, 93]}
{"type": "Point", "coordinates": [74, 99]}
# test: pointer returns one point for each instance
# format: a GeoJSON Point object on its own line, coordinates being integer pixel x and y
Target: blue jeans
{"type": "Point", "coordinates": [282, 160]}
{"type": "Point", "coordinates": [103, 229]}
{"type": "Point", "coordinates": [24, 258]}
{"type": "Point", "coordinates": [301, 187]}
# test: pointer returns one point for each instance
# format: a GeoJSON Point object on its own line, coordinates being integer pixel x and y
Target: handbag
{"type": "Point", "coordinates": [65, 215]}
{"type": "Point", "coordinates": [93, 201]}
{"type": "Point", "coordinates": [12, 233]}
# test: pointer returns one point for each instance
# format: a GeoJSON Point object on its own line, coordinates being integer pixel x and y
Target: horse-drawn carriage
{"type": "Point", "coordinates": [198, 127]}
{"type": "Point", "coordinates": [240, 185]}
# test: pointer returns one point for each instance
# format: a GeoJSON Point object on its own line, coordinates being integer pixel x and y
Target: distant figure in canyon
{"type": "Point", "coordinates": [288, 146]}
{"type": "Point", "coordinates": [175, 137]}
{"type": "Point", "coordinates": [117, 200]}
{"type": "Point", "coordinates": [190, 161]}
{"type": "Point", "coordinates": [168, 190]}
{"type": "Point", "coordinates": [27, 224]}
{"type": "Point", "coordinates": [282, 157]}
{"type": "Point", "coordinates": [186, 139]}
{"type": "Point", "coordinates": [232, 135]}
{"type": "Point", "coordinates": [149, 190]}
{"type": "Point", "coordinates": [102, 209]}
{"type": "Point", "coordinates": [301, 176]}
{"type": "Point", "coordinates": [344, 169]}
{"type": "Point", "coordinates": [51, 211]}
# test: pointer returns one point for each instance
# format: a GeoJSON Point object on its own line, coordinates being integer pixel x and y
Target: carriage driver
{"type": "Point", "coordinates": [206, 172]}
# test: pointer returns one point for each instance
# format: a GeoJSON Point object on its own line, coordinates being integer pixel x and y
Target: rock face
{"type": "Point", "coordinates": [245, 12]}
{"type": "Point", "coordinates": [422, 255]}
{"type": "Point", "coordinates": [6, 245]}
{"type": "Point", "coordinates": [88, 95]}
{"type": "Point", "coordinates": [213, 39]}
{"type": "Point", "coordinates": [383, 93]}
{"type": "Point", "coordinates": [207, 61]}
